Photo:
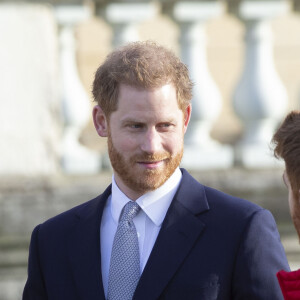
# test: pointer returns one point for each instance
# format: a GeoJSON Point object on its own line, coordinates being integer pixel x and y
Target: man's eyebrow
{"type": "Point", "coordinates": [131, 120]}
{"type": "Point", "coordinates": [168, 119]}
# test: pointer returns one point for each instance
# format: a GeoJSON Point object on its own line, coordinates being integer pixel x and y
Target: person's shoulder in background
{"type": "Point", "coordinates": [290, 284]}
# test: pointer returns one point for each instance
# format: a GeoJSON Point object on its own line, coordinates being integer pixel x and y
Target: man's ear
{"type": "Point", "coordinates": [187, 116]}
{"type": "Point", "coordinates": [100, 121]}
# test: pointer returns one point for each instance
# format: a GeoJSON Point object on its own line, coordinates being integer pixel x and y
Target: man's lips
{"type": "Point", "coordinates": [151, 164]}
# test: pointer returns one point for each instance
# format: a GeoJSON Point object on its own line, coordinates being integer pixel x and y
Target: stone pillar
{"type": "Point", "coordinates": [30, 125]}
{"type": "Point", "coordinates": [125, 17]}
{"type": "Point", "coordinates": [76, 107]}
{"type": "Point", "coordinates": [201, 151]}
{"type": "Point", "coordinates": [260, 98]}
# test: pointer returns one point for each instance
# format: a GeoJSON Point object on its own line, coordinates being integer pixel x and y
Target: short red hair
{"type": "Point", "coordinates": [142, 65]}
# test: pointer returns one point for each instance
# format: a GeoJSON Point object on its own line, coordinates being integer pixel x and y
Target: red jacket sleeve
{"type": "Point", "coordinates": [290, 284]}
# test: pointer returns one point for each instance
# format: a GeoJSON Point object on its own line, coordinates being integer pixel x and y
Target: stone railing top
{"type": "Point", "coordinates": [201, 10]}
{"type": "Point", "coordinates": [52, 2]}
{"type": "Point", "coordinates": [104, 2]}
{"type": "Point", "coordinates": [251, 9]}
{"type": "Point", "coordinates": [101, 4]}
{"type": "Point", "coordinates": [128, 11]}
{"type": "Point", "coordinates": [71, 15]}
{"type": "Point", "coordinates": [262, 9]}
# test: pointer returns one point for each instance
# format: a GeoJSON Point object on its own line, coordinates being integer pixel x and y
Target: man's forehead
{"type": "Point", "coordinates": [164, 86]}
{"type": "Point", "coordinates": [165, 95]}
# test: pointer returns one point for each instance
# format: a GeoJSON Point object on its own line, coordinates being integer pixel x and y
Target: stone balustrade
{"type": "Point", "coordinates": [45, 106]}
{"type": "Point", "coordinates": [259, 99]}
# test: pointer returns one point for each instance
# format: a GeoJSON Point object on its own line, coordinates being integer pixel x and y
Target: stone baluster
{"type": "Point", "coordinates": [260, 98]}
{"type": "Point", "coordinates": [201, 151]}
{"type": "Point", "coordinates": [76, 107]}
{"type": "Point", "coordinates": [125, 17]}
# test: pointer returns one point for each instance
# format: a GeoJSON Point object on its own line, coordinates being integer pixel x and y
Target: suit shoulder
{"type": "Point", "coordinates": [212, 204]}
{"type": "Point", "coordinates": [229, 208]}
{"type": "Point", "coordinates": [215, 200]}
{"type": "Point", "coordinates": [239, 217]}
{"type": "Point", "coordinates": [221, 197]}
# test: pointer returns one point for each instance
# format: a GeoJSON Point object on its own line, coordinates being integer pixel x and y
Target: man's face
{"type": "Point", "coordinates": [145, 138]}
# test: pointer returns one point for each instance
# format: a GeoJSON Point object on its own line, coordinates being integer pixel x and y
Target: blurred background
{"type": "Point", "coordinates": [243, 56]}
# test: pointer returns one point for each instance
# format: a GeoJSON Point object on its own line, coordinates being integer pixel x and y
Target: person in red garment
{"type": "Point", "coordinates": [287, 147]}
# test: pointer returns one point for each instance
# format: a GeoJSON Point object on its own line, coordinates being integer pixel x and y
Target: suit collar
{"type": "Point", "coordinates": [180, 230]}
{"type": "Point", "coordinates": [84, 254]}
{"type": "Point", "coordinates": [191, 194]}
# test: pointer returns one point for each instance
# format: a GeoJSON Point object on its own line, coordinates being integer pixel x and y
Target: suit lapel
{"type": "Point", "coordinates": [180, 230]}
{"type": "Point", "coordinates": [84, 249]}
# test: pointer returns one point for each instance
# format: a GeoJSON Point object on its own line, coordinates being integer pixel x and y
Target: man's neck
{"type": "Point", "coordinates": [130, 193]}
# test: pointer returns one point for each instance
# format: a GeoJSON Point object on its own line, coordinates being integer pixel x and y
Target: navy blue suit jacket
{"type": "Point", "coordinates": [211, 246]}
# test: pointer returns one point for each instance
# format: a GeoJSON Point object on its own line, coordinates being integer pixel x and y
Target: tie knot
{"type": "Point", "coordinates": [130, 211]}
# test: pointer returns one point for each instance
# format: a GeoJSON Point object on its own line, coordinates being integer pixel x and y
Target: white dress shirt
{"type": "Point", "coordinates": [154, 206]}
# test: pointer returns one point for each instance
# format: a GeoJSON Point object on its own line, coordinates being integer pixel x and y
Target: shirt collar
{"type": "Point", "coordinates": [154, 203]}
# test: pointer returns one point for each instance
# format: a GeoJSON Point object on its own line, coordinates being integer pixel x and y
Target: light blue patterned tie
{"type": "Point", "coordinates": [124, 271]}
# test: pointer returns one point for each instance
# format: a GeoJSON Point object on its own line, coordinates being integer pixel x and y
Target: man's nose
{"type": "Point", "coordinates": [151, 141]}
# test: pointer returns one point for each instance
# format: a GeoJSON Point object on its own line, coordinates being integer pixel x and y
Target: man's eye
{"type": "Point", "coordinates": [165, 125]}
{"type": "Point", "coordinates": [135, 126]}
